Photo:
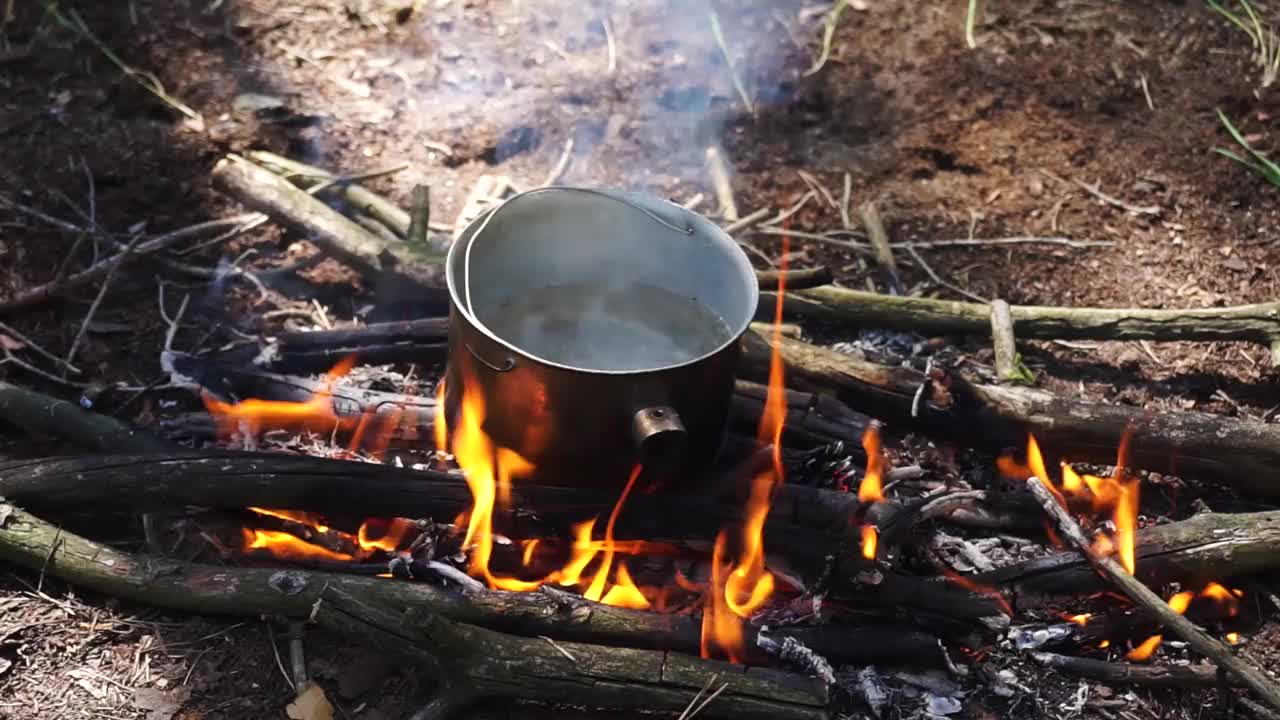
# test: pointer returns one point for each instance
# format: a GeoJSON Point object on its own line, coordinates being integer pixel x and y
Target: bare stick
{"type": "Point", "coordinates": [1016, 240]}
{"type": "Point", "coordinates": [1130, 674]}
{"type": "Point", "coordinates": [728, 61]}
{"type": "Point", "coordinates": [934, 276]}
{"type": "Point", "coordinates": [41, 351]}
{"type": "Point", "coordinates": [1003, 341]}
{"type": "Point", "coordinates": [557, 172]}
{"type": "Point", "coordinates": [419, 218]}
{"type": "Point", "coordinates": [613, 48]}
{"type": "Point", "coordinates": [116, 263]}
{"type": "Point", "coordinates": [745, 222]}
{"type": "Point", "coordinates": [880, 243]}
{"type": "Point", "coordinates": [1095, 191]}
{"type": "Point", "coordinates": [1142, 596]}
{"type": "Point", "coordinates": [1258, 323]}
{"type": "Point", "coordinates": [721, 184]}
{"type": "Point", "coordinates": [310, 176]}
{"type": "Point", "coordinates": [332, 232]}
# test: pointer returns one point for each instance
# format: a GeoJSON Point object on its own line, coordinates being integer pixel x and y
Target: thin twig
{"type": "Point", "coordinates": [1095, 190]}
{"type": "Point", "coordinates": [1027, 240]}
{"type": "Point", "coordinates": [721, 184]}
{"type": "Point", "coordinates": [10, 358]}
{"type": "Point", "coordinates": [784, 214]}
{"type": "Point", "coordinates": [7, 330]}
{"type": "Point", "coordinates": [297, 656]}
{"type": "Point", "coordinates": [728, 60]}
{"type": "Point", "coordinates": [562, 164]}
{"type": "Point", "coordinates": [747, 221]}
{"type": "Point", "coordinates": [879, 238]}
{"type": "Point", "coordinates": [176, 322]}
{"type": "Point", "coordinates": [275, 649]}
{"type": "Point", "coordinates": [147, 80]}
{"type": "Point", "coordinates": [836, 242]}
{"type": "Point", "coordinates": [844, 202]}
{"type": "Point", "coordinates": [934, 276]}
{"type": "Point", "coordinates": [613, 48]}
{"type": "Point", "coordinates": [1142, 596]}
{"type": "Point", "coordinates": [116, 263]}
{"type": "Point", "coordinates": [812, 181]}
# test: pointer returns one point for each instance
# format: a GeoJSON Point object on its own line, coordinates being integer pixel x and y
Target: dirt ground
{"type": "Point", "coordinates": [950, 142]}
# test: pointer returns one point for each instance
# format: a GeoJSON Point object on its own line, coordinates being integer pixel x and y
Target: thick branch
{"type": "Point", "coordinates": [478, 663]}
{"type": "Point", "coordinates": [264, 191]}
{"type": "Point", "coordinates": [1258, 323]}
{"type": "Point", "coordinates": [1241, 453]}
{"type": "Point", "coordinates": [360, 197]}
{"type": "Point", "coordinates": [1209, 546]}
{"type": "Point", "coordinates": [30, 542]}
{"type": "Point", "coordinates": [36, 412]}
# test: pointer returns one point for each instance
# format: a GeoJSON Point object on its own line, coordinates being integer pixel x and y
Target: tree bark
{"type": "Point", "coordinates": [1241, 453]}
{"type": "Point", "coordinates": [36, 412]}
{"type": "Point", "coordinates": [1258, 323]}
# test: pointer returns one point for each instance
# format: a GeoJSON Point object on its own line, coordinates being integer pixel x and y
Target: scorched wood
{"type": "Point", "coordinates": [1241, 453]}
{"type": "Point", "coordinates": [30, 542]}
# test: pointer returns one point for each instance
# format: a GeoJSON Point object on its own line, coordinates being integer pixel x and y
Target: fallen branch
{"type": "Point", "coordinates": [1257, 323]}
{"type": "Point", "coordinates": [336, 235]}
{"type": "Point", "coordinates": [471, 663]}
{"type": "Point", "coordinates": [1116, 673]}
{"type": "Point", "coordinates": [1241, 453]}
{"type": "Point", "coordinates": [36, 412]}
{"type": "Point", "coordinates": [370, 203]}
{"type": "Point", "coordinates": [1201, 642]}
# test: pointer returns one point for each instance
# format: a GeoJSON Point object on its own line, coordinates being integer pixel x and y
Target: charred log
{"type": "Point", "coordinates": [1240, 453]}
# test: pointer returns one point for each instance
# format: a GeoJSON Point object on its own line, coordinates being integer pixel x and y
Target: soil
{"type": "Point", "coordinates": [950, 142]}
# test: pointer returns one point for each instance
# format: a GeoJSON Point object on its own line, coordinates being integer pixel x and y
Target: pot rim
{"type": "Point", "coordinates": [735, 253]}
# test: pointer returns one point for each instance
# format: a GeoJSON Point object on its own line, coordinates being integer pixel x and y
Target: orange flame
{"type": "Point", "coordinates": [441, 424]}
{"type": "Point", "coordinates": [1233, 638]}
{"type": "Point", "coordinates": [870, 490]}
{"type": "Point", "coordinates": [721, 629]}
{"type": "Point", "coordinates": [869, 539]}
{"type": "Point", "coordinates": [1179, 604]}
{"type": "Point", "coordinates": [748, 585]}
{"type": "Point", "coordinates": [1222, 597]}
{"type": "Point", "coordinates": [1118, 494]}
{"type": "Point", "coordinates": [1081, 619]}
{"type": "Point", "coordinates": [297, 516]}
{"type": "Point", "coordinates": [387, 536]}
{"type": "Point", "coordinates": [529, 547]}
{"type": "Point", "coordinates": [486, 468]}
{"type": "Point", "coordinates": [290, 547]}
{"type": "Point", "coordinates": [254, 416]}
{"type": "Point", "coordinates": [596, 590]}
{"type": "Point", "coordinates": [1146, 649]}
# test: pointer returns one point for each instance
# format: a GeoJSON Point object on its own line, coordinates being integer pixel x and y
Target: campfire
{"type": "Point", "coordinates": [758, 528]}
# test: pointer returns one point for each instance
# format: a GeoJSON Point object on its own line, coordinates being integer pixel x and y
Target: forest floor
{"type": "Point", "coordinates": [951, 143]}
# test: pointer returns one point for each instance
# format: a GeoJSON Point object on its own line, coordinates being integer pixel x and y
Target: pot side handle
{"type": "Point", "coordinates": [660, 436]}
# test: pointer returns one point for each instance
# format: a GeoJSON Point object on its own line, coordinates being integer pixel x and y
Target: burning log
{"type": "Point", "coordinates": [1258, 323]}
{"type": "Point", "coordinates": [229, 480]}
{"type": "Point", "coordinates": [31, 542]}
{"type": "Point", "coordinates": [812, 420]}
{"type": "Point", "coordinates": [1173, 619]}
{"type": "Point", "coordinates": [1241, 453]}
{"type": "Point", "coordinates": [1205, 547]}
{"type": "Point", "coordinates": [471, 663]}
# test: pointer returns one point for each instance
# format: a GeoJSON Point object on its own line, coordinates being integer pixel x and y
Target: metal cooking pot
{"type": "Point", "coordinates": [602, 328]}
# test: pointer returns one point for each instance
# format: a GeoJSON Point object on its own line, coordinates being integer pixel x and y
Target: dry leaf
{"type": "Point", "coordinates": [311, 704]}
{"type": "Point", "coordinates": [9, 343]}
{"type": "Point", "coordinates": [160, 705]}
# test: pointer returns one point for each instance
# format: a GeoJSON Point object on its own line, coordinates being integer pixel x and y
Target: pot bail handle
{"type": "Point", "coordinates": [659, 436]}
